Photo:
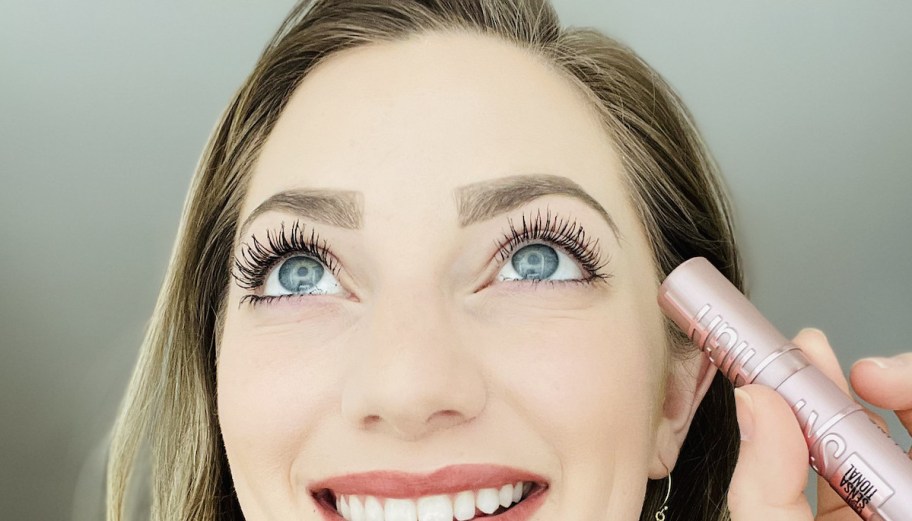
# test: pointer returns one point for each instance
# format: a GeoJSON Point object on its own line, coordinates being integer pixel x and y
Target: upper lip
{"type": "Point", "coordinates": [446, 480]}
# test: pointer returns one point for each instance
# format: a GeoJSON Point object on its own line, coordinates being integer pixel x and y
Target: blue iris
{"type": "Point", "coordinates": [300, 274]}
{"type": "Point", "coordinates": [536, 261]}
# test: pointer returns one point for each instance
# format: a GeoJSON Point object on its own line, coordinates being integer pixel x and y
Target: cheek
{"type": "Point", "coordinates": [584, 380]}
{"type": "Point", "coordinates": [271, 390]}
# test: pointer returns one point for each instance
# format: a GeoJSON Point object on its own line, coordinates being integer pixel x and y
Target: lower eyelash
{"type": "Point", "coordinates": [568, 235]}
{"type": "Point", "coordinates": [254, 300]}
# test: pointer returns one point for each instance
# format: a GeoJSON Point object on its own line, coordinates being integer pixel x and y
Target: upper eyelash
{"type": "Point", "coordinates": [254, 262]}
{"type": "Point", "coordinates": [569, 235]}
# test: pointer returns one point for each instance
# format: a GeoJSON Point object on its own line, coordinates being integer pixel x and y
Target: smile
{"type": "Point", "coordinates": [462, 493]}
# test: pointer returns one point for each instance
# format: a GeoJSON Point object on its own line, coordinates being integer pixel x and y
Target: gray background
{"type": "Point", "coordinates": [106, 106]}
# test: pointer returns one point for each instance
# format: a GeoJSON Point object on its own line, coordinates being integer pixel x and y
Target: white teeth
{"type": "Point", "coordinates": [464, 505]}
{"type": "Point", "coordinates": [342, 507]}
{"type": "Point", "coordinates": [400, 510]}
{"type": "Point", "coordinates": [441, 507]}
{"type": "Point", "coordinates": [517, 491]}
{"type": "Point", "coordinates": [435, 508]}
{"type": "Point", "coordinates": [357, 511]}
{"type": "Point", "coordinates": [505, 494]}
{"type": "Point", "coordinates": [487, 500]}
{"type": "Point", "coordinates": [373, 510]}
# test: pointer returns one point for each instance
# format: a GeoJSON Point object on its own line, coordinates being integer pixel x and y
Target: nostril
{"type": "Point", "coordinates": [450, 416]}
{"type": "Point", "coordinates": [371, 420]}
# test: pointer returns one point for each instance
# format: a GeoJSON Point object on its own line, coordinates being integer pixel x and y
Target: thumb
{"type": "Point", "coordinates": [771, 472]}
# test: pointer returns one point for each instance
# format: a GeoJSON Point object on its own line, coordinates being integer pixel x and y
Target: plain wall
{"type": "Point", "coordinates": [106, 107]}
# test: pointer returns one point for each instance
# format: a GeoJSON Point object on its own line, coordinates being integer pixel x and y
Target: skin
{"type": "Point", "coordinates": [423, 358]}
{"type": "Point", "coordinates": [426, 359]}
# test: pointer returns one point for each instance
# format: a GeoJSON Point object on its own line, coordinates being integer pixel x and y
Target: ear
{"type": "Point", "coordinates": [686, 385]}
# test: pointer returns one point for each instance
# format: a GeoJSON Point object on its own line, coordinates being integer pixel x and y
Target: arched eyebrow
{"type": "Point", "coordinates": [342, 208]}
{"type": "Point", "coordinates": [475, 202]}
{"type": "Point", "coordinates": [486, 199]}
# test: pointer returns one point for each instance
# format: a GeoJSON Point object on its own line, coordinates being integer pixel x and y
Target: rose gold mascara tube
{"type": "Point", "coordinates": [861, 462]}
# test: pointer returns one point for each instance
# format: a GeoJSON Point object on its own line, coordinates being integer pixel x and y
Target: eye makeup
{"type": "Point", "coordinates": [256, 259]}
{"type": "Point", "coordinates": [567, 235]}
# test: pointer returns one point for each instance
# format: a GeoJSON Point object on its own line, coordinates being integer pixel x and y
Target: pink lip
{"type": "Point", "coordinates": [447, 480]}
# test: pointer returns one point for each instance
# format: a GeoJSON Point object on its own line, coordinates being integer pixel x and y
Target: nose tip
{"type": "Point", "coordinates": [413, 396]}
{"type": "Point", "coordinates": [410, 380]}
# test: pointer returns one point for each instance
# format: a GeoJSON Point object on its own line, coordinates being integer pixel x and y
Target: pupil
{"type": "Point", "coordinates": [535, 261]}
{"type": "Point", "coordinates": [300, 274]}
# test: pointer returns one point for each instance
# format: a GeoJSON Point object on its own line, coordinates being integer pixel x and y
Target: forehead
{"type": "Point", "coordinates": [412, 120]}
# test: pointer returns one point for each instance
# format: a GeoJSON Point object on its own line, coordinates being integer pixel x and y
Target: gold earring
{"type": "Point", "coordinates": [660, 514]}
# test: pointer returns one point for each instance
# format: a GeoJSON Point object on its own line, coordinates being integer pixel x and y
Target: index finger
{"type": "Point", "coordinates": [888, 387]}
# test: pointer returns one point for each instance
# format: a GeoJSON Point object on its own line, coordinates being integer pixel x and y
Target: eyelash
{"type": "Point", "coordinates": [568, 235]}
{"type": "Point", "coordinates": [255, 261]}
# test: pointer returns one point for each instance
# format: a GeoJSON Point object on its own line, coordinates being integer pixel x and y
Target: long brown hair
{"type": "Point", "coordinates": [671, 180]}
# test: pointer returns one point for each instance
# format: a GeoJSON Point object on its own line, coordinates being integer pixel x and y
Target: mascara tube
{"type": "Point", "coordinates": [871, 473]}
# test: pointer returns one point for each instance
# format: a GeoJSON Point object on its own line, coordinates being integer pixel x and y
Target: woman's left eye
{"type": "Point", "coordinates": [540, 262]}
{"type": "Point", "coordinates": [300, 275]}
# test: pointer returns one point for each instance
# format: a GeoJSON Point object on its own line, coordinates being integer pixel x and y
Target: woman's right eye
{"type": "Point", "coordinates": [300, 275]}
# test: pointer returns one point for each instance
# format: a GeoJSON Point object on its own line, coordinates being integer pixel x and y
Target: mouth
{"type": "Point", "coordinates": [483, 503]}
{"type": "Point", "coordinates": [376, 497]}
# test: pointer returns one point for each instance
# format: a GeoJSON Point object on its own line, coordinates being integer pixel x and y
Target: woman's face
{"type": "Point", "coordinates": [480, 301]}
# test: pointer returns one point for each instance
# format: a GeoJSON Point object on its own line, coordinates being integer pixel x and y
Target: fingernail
{"type": "Point", "coordinates": [814, 329]}
{"type": "Point", "coordinates": [884, 363]}
{"type": "Point", "coordinates": [745, 414]}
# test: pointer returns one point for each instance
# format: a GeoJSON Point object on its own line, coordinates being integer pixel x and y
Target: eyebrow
{"type": "Point", "coordinates": [334, 207]}
{"type": "Point", "coordinates": [475, 202]}
{"type": "Point", "coordinates": [486, 199]}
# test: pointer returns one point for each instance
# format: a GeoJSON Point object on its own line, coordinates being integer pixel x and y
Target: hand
{"type": "Point", "coordinates": [772, 469]}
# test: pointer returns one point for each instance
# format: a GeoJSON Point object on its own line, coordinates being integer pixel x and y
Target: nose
{"type": "Point", "coordinates": [411, 375]}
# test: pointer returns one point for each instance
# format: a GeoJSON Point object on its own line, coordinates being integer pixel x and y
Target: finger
{"type": "Point", "coordinates": [887, 387]}
{"type": "Point", "coordinates": [771, 472]}
{"type": "Point", "coordinates": [816, 347]}
{"type": "Point", "coordinates": [813, 342]}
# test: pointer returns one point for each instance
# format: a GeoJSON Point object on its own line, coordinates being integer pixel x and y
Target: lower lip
{"type": "Point", "coordinates": [521, 512]}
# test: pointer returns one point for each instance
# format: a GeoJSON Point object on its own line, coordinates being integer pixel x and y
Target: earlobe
{"type": "Point", "coordinates": [687, 385]}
